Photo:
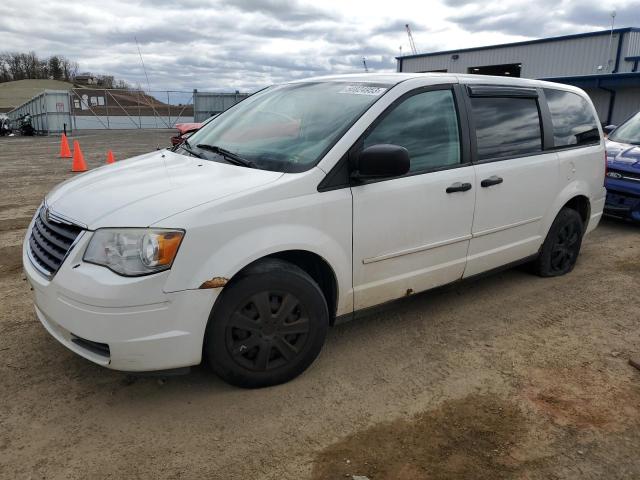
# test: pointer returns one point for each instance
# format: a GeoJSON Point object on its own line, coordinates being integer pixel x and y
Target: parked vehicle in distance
{"type": "Point", "coordinates": [623, 173]}
{"type": "Point", "coordinates": [184, 131]}
{"type": "Point", "coordinates": [25, 126]}
{"type": "Point", "coordinates": [5, 126]}
{"type": "Point", "coordinates": [306, 204]}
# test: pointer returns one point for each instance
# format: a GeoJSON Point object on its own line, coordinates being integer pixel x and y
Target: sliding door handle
{"type": "Point", "coordinates": [459, 187]}
{"type": "Point", "coordinates": [491, 181]}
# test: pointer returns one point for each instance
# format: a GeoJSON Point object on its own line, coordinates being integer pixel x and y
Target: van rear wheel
{"type": "Point", "coordinates": [268, 326]}
{"type": "Point", "coordinates": [560, 249]}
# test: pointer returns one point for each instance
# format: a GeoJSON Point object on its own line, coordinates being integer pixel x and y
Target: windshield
{"type": "Point", "coordinates": [287, 128]}
{"type": "Point", "coordinates": [628, 132]}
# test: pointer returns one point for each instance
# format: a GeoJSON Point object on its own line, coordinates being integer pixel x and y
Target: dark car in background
{"type": "Point", "coordinates": [623, 174]}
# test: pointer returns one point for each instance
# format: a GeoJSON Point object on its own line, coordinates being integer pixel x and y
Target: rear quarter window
{"type": "Point", "coordinates": [506, 127]}
{"type": "Point", "coordinates": [574, 123]}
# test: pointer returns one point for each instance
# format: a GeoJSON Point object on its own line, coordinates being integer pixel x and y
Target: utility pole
{"type": "Point", "coordinates": [613, 20]}
{"type": "Point", "coordinates": [364, 62]}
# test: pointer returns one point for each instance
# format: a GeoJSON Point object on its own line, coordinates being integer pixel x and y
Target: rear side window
{"type": "Point", "coordinates": [506, 127]}
{"type": "Point", "coordinates": [426, 124]}
{"type": "Point", "coordinates": [574, 123]}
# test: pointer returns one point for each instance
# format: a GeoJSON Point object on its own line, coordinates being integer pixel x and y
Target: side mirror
{"type": "Point", "coordinates": [381, 161]}
{"type": "Point", "coordinates": [609, 128]}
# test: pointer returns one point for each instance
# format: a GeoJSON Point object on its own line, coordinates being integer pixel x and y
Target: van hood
{"type": "Point", "coordinates": [144, 190]}
{"type": "Point", "coordinates": [623, 156]}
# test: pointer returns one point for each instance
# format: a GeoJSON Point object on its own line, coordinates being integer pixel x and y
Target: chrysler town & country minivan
{"type": "Point", "coordinates": [305, 203]}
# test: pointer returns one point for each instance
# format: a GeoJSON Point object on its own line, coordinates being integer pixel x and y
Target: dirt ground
{"type": "Point", "coordinates": [509, 376]}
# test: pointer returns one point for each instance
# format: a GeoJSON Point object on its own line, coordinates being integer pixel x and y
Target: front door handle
{"type": "Point", "coordinates": [491, 181]}
{"type": "Point", "coordinates": [459, 187]}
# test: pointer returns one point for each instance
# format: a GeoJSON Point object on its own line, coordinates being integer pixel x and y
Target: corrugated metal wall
{"type": "Point", "coordinates": [627, 103]}
{"type": "Point", "coordinates": [579, 56]}
{"type": "Point", "coordinates": [630, 48]}
{"type": "Point", "coordinates": [600, 99]}
{"type": "Point", "coordinates": [565, 57]}
{"type": "Point", "coordinates": [50, 112]}
{"type": "Point", "coordinates": [208, 104]}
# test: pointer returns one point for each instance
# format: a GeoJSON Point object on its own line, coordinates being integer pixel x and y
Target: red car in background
{"type": "Point", "coordinates": [184, 131]}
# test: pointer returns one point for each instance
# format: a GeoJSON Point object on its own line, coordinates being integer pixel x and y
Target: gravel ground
{"type": "Point", "coordinates": [508, 376]}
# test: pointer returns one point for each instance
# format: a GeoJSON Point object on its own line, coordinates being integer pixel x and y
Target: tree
{"type": "Point", "coordinates": [106, 81]}
{"type": "Point", "coordinates": [69, 69]}
{"type": "Point", "coordinates": [121, 85]}
{"type": "Point", "coordinates": [14, 65]}
{"type": "Point", "coordinates": [55, 70]}
{"type": "Point", "coordinates": [5, 74]}
{"type": "Point", "coordinates": [21, 66]}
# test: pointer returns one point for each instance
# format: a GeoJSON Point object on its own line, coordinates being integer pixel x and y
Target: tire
{"type": "Point", "coordinates": [245, 350]}
{"type": "Point", "coordinates": [560, 249]}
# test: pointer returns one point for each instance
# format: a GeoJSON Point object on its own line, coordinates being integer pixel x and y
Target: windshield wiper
{"type": "Point", "coordinates": [228, 156]}
{"type": "Point", "coordinates": [185, 145]}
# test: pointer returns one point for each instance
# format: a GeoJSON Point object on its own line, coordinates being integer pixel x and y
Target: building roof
{"type": "Point", "coordinates": [13, 94]}
{"type": "Point", "coordinates": [526, 42]}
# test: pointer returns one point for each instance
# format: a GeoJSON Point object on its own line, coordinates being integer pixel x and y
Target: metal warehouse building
{"type": "Point", "coordinates": [604, 63]}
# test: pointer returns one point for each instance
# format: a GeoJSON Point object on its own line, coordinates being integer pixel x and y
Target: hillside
{"type": "Point", "coordinates": [15, 93]}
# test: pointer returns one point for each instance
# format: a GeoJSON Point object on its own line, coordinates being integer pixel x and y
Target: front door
{"type": "Point", "coordinates": [412, 233]}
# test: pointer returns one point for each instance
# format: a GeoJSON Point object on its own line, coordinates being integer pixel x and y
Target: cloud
{"type": "Point", "coordinates": [282, 10]}
{"type": "Point", "coordinates": [541, 18]}
{"type": "Point", "coordinates": [227, 45]}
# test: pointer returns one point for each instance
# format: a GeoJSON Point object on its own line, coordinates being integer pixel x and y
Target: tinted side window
{"type": "Point", "coordinates": [506, 127]}
{"type": "Point", "coordinates": [426, 125]}
{"type": "Point", "coordinates": [572, 117]}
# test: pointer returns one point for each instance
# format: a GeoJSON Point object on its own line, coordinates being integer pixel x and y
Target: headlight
{"type": "Point", "coordinates": [134, 251]}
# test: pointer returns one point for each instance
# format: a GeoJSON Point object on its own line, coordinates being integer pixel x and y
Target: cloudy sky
{"type": "Point", "coordinates": [224, 45]}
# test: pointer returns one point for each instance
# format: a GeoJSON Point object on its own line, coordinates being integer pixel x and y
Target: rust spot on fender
{"type": "Point", "coordinates": [215, 282]}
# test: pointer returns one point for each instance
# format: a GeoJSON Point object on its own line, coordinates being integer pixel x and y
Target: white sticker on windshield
{"type": "Point", "coordinates": [363, 90]}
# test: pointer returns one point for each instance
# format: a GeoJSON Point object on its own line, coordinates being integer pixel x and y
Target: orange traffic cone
{"type": "Point", "coordinates": [110, 157]}
{"type": "Point", "coordinates": [78, 159]}
{"type": "Point", "coordinates": [65, 151]}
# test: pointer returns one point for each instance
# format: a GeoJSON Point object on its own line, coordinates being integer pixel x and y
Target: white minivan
{"type": "Point", "coordinates": [306, 203]}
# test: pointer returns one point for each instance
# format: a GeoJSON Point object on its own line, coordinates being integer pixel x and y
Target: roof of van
{"type": "Point", "coordinates": [391, 79]}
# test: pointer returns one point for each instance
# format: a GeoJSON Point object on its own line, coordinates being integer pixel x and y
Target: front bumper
{"type": "Point", "coordinates": [121, 323]}
{"type": "Point", "coordinates": [622, 204]}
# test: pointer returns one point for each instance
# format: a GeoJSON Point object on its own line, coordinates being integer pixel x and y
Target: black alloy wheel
{"type": "Point", "coordinates": [566, 247]}
{"type": "Point", "coordinates": [268, 331]}
{"type": "Point", "coordinates": [267, 326]}
{"type": "Point", "coordinates": [561, 247]}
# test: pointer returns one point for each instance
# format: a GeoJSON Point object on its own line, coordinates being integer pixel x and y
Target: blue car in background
{"type": "Point", "coordinates": [623, 174]}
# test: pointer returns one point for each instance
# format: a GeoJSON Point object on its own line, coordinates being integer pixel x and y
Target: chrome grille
{"type": "Point", "coordinates": [50, 241]}
{"type": "Point", "coordinates": [621, 174]}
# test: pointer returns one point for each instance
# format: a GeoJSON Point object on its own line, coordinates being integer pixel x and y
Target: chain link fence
{"type": "Point", "coordinates": [55, 111]}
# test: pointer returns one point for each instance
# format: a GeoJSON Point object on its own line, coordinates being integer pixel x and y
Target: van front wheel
{"type": "Point", "coordinates": [560, 249]}
{"type": "Point", "coordinates": [268, 326]}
